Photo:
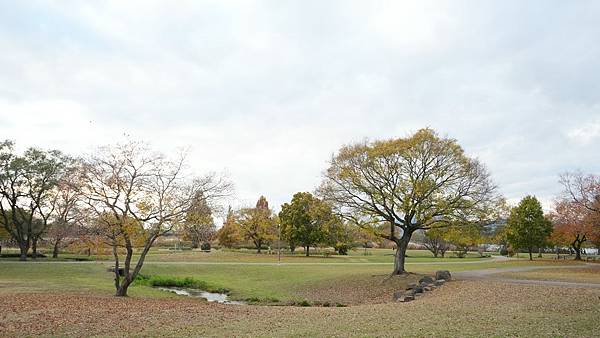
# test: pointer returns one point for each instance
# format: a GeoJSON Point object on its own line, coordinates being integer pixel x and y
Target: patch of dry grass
{"type": "Point", "coordinates": [458, 309]}
{"type": "Point", "coordinates": [361, 289]}
{"type": "Point", "coordinates": [579, 275]}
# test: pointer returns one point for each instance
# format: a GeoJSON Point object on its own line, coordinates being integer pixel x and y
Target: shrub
{"type": "Point", "coordinates": [304, 303]}
{"type": "Point", "coordinates": [168, 281]}
{"type": "Point", "coordinates": [342, 249]}
{"type": "Point", "coordinates": [205, 246]}
{"type": "Point", "coordinates": [461, 252]}
{"type": "Point", "coordinates": [504, 251]}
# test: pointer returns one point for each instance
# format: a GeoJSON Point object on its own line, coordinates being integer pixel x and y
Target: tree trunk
{"type": "Point", "coordinates": [307, 251]}
{"type": "Point", "coordinates": [130, 277]}
{"type": "Point", "coordinates": [34, 249]}
{"type": "Point", "coordinates": [577, 249]}
{"type": "Point", "coordinates": [55, 250]}
{"type": "Point", "coordinates": [400, 256]}
{"type": "Point", "coordinates": [258, 246]}
{"type": "Point", "coordinates": [117, 277]}
{"type": "Point", "coordinates": [122, 290]}
{"type": "Point", "coordinates": [530, 254]}
{"type": "Point", "coordinates": [23, 248]}
{"type": "Point", "coordinates": [540, 253]}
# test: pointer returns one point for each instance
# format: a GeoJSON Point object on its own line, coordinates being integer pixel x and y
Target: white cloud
{"type": "Point", "coordinates": [269, 90]}
{"type": "Point", "coordinates": [586, 133]}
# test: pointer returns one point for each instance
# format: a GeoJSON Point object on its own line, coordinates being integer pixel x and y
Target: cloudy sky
{"type": "Point", "coordinates": [267, 91]}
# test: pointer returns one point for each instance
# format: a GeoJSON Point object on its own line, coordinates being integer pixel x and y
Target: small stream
{"type": "Point", "coordinates": [209, 296]}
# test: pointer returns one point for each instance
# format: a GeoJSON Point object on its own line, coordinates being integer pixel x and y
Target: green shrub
{"type": "Point", "coordinates": [342, 249]}
{"type": "Point", "coordinates": [304, 303]}
{"type": "Point", "coordinates": [181, 282]}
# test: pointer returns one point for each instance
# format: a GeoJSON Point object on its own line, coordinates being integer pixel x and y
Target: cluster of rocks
{"type": "Point", "coordinates": [425, 284]}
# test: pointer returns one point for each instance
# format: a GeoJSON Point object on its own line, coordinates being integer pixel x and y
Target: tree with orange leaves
{"type": "Point", "coordinates": [572, 225]}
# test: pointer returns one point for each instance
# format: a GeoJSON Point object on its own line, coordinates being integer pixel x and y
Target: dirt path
{"type": "Point", "coordinates": [492, 274]}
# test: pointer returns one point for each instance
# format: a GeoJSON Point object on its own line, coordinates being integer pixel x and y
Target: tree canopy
{"type": "Point", "coordinates": [28, 192]}
{"type": "Point", "coordinates": [528, 228]}
{"type": "Point", "coordinates": [258, 224]}
{"type": "Point", "coordinates": [307, 220]}
{"type": "Point", "coordinates": [199, 226]}
{"type": "Point", "coordinates": [419, 182]}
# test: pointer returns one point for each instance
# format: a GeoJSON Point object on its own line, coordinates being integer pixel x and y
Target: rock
{"type": "Point", "coordinates": [428, 288]}
{"type": "Point", "coordinates": [443, 274]}
{"type": "Point", "coordinates": [426, 280]}
{"type": "Point", "coordinates": [418, 289]}
{"type": "Point", "coordinates": [440, 282]}
{"type": "Point", "coordinates": [404, 296]}
{"type": "Point", "coordinates": [411, 286]}
{"type": "Point", "coordinates": [399, 295]}
{"type": "Point", "coordinates": [407, 298]}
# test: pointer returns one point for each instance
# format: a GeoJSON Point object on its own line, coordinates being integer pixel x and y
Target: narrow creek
{"type": "Point", "coordinates": [209, 296]}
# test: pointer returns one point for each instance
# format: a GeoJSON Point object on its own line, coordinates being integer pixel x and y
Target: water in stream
{"type": "Point", "coordinates": [209, 296]}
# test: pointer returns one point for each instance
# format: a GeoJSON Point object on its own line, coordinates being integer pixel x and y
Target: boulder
{"type": "Point", "coordinates": [411, 286]}
{"type": "Point", "coordinates": [418, 289]}
{"type": "Point", "coordinates": [399, 295]}
{"type": "Point", "coordinates": [440, 282]}
{"type": "Point", "coordinates": [443, 274]}
{"type": "Point", "coordinates": [407, 298]}
{"type": "Point", "coordinates": [426, 280]}
{"type": "Point", "coordinates": [428, 288]}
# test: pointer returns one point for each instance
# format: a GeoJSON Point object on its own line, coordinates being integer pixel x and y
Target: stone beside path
{"type": "Point", "coordinates": [425, 284]}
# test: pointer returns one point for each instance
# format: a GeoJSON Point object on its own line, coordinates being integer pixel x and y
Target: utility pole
{"type": "Point", "coordinates": [278, 244]}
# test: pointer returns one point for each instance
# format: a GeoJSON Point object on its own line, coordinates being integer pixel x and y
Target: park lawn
{"type": "Point", "coordinates": [318, 256]}
{"type": "Point", "coordinates": [579, 275]}
{"type": "Point", "coordinates": [458, 309]}
{"type": "Point", "coordinates": [265, 283]}
{"type": "Point", "coordinates": [250, 256]}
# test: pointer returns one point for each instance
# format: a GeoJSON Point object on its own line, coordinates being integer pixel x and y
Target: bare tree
{"type": "Point", "coordinates": [420, 182]}
{"type": "Point", "coordinates": [67, 205]}
{"type": "Point", "coordinates": [138, 196]}
{"type": "Point", "coordinates": [584, 190]}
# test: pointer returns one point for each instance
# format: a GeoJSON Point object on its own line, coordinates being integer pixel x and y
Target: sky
{"type": "Point", "coordinates": [268, 91]}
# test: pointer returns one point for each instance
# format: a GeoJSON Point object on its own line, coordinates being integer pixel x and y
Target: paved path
{"type": "Point", "coordinates": [492, 274]}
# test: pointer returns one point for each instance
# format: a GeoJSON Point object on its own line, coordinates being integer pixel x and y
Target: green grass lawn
{"type": "Point", "coordinates": [284, 282]}
{"type": "Point", "coordinates": [75, 298]}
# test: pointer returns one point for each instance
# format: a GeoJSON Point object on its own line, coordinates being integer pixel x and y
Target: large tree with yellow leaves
{"type": "Point", "coordinates": [419, 182]}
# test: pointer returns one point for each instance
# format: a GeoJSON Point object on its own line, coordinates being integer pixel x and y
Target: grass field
{"type": "Point", "coordinates": [357, 281]}
{"type": "Point", "coordinates": [581, 275]}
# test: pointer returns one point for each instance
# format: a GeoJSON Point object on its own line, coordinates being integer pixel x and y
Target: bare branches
{"type": "Point", "coordinates": [138, 195]}
{"type": "Point", "coordinates": [582, 189]}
